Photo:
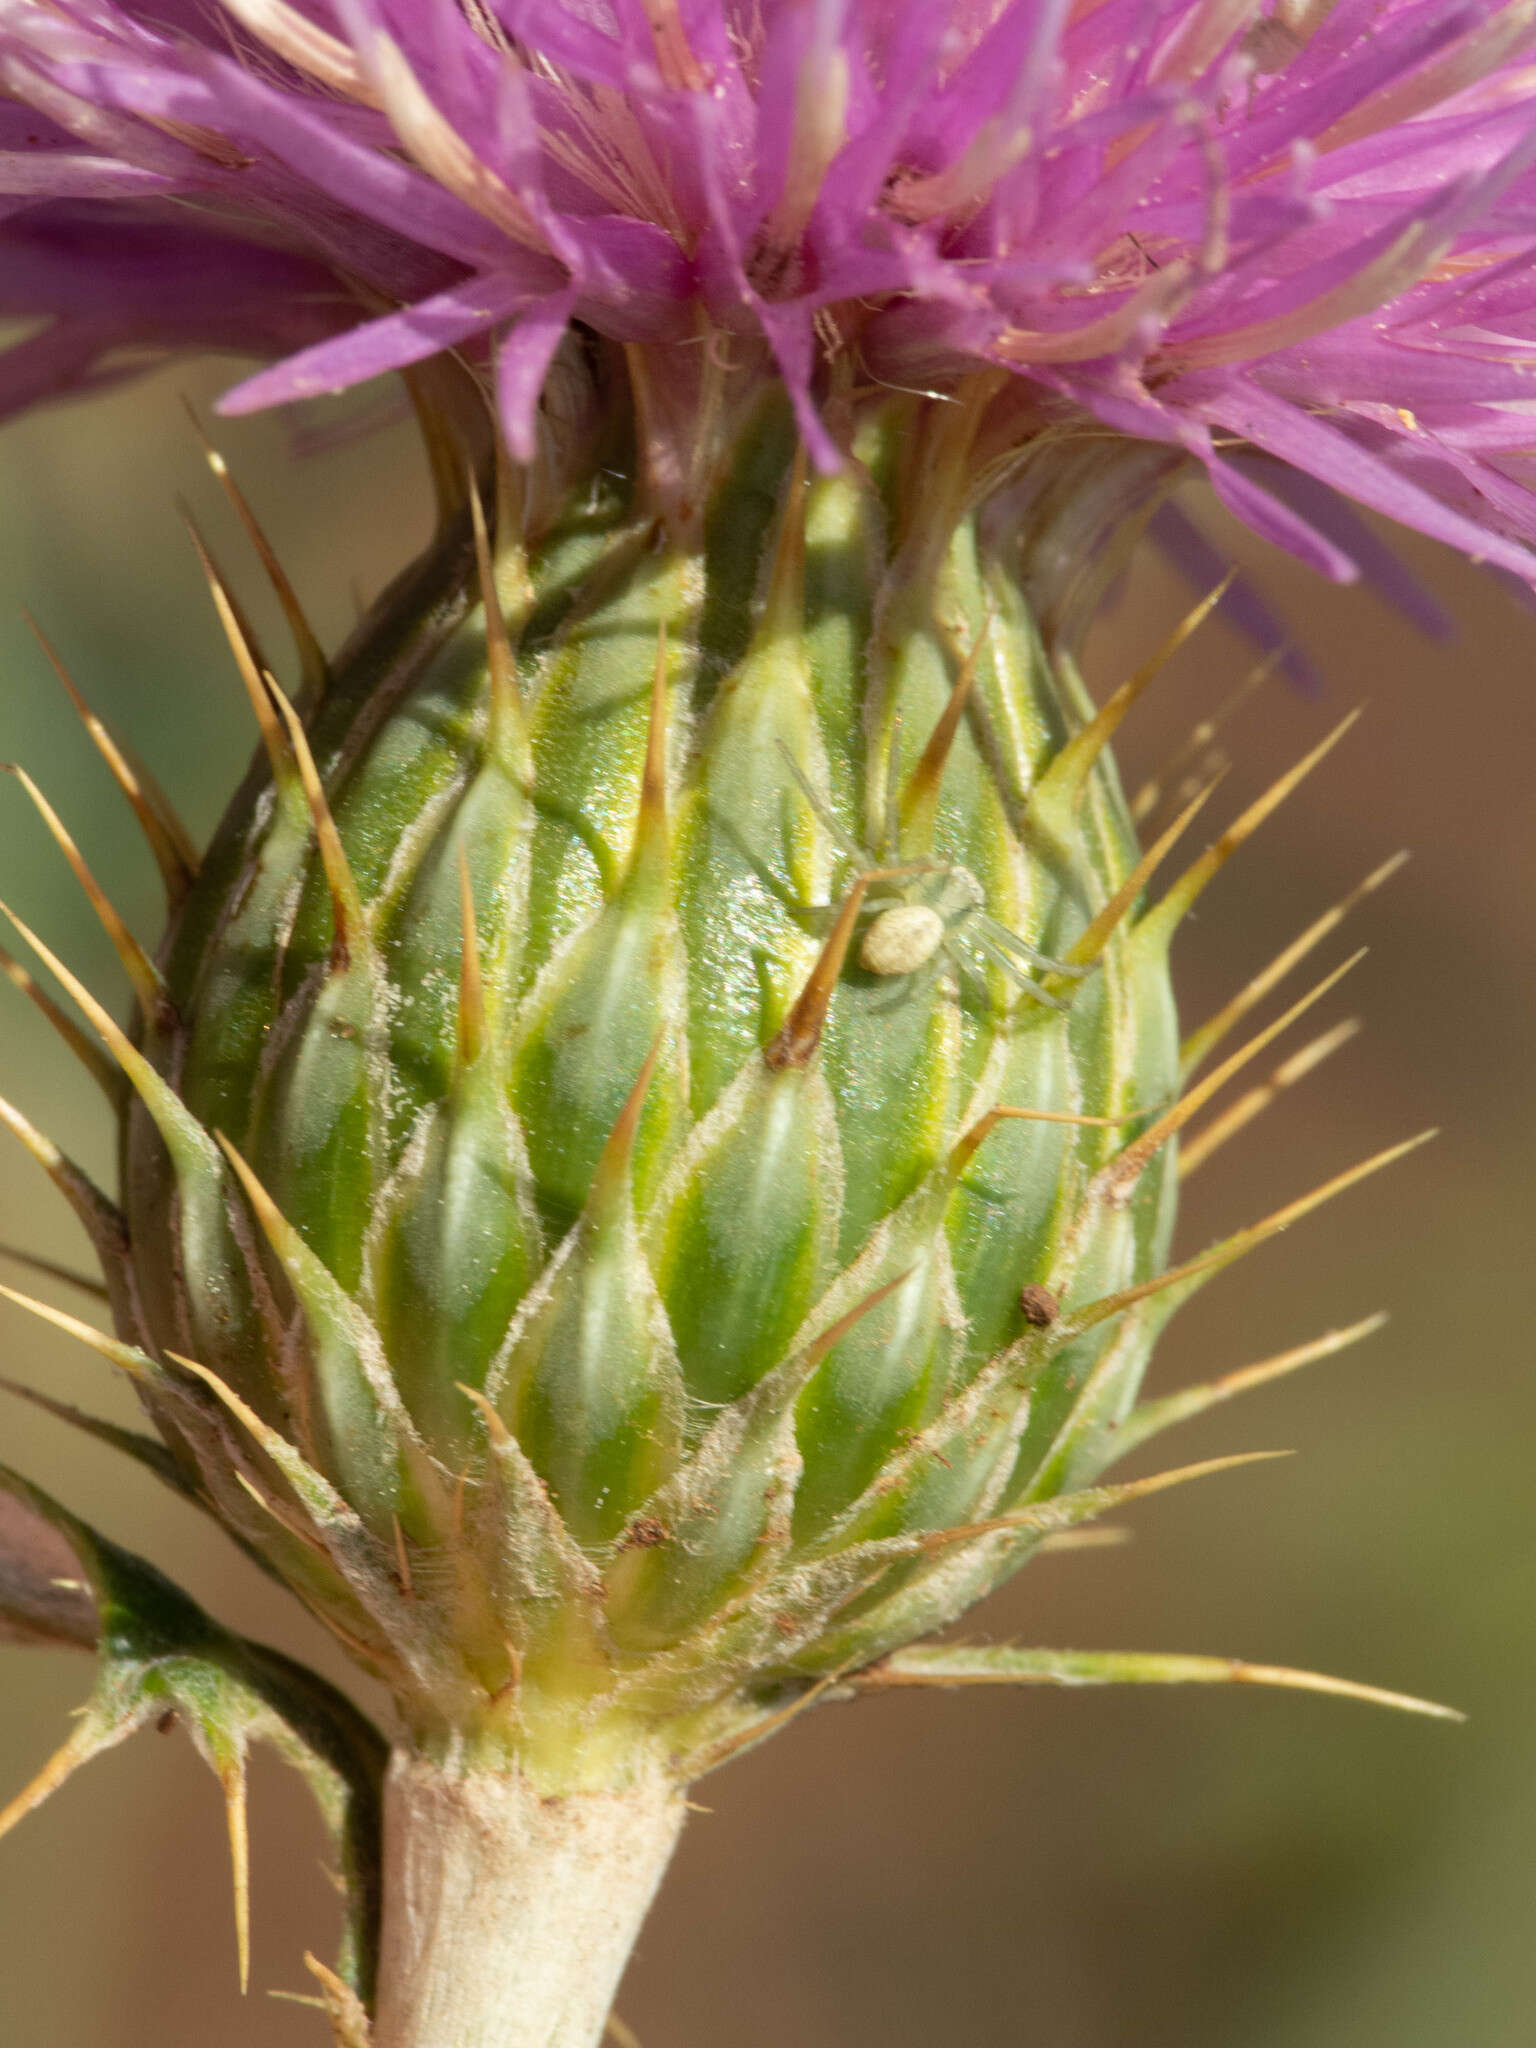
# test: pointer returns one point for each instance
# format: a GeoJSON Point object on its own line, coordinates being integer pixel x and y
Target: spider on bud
{"type": "Point", "coordinates": [939, 910]}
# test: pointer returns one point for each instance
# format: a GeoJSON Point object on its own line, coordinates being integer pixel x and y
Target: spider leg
{"type": "Point", "coordinates": [890, 815]}
{"type": "Point", "coordinates": [845, 843]}
{"type": "Point", "coordinates": [985, 946]}
{"type": "Point", "coordinates": [1010, 943]}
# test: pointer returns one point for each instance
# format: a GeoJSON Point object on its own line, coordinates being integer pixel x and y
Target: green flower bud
{"type": "Point", "coordinates": [613, 1023]}
{"type": "Point", "coordinates": [648, 1171]}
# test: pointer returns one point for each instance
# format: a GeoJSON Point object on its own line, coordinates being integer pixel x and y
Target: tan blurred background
{"type": "Point", "coordinates": [1214, 1869]}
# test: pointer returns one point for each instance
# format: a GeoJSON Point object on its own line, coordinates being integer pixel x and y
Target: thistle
{"type": "Point", "coordinates": [649, 1145]}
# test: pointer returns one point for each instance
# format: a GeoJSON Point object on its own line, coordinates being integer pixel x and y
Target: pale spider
{"type": "Point", "coordinates": [937, 908]}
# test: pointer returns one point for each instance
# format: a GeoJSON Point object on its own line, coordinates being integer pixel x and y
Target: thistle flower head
{"type": "Point", "coordinates": [1300, 227]}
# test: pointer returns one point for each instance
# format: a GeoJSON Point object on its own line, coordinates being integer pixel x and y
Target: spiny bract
{"type": "Point", "coordinates": [648, 1166]}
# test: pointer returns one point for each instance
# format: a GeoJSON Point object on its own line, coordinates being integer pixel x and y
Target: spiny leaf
{"type": "Point", "coordinates": [160, 1651]}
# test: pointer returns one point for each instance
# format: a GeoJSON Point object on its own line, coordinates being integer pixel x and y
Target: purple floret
{"type": "Point", "coordinates": [1302, 227]}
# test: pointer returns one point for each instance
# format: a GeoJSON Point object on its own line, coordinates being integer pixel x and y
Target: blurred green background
{"type": "Point", "coordinates": [1213, 1869]}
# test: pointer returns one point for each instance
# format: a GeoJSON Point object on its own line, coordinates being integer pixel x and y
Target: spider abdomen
{"type": "Point", "coordinates": [902, 939]}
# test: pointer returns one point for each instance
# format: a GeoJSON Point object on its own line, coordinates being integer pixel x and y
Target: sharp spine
{"type": "Point", "coordinates": [232, 1778]}
{"type": "Point", "coordinates": [1153, 1417]}
{"type": "Point", "coordinates": [109, 1078]}
{"type": "Point", "coordinates": [1064, 781]}
{"type": "Point", "coordinates": [1063, 1508]}
{"type": "Point", "coordinates": [1222, 1129]}
{"type": "Point", "coordinates": [1127, 1166]}
{"type": "Point", "coordinates": [148, 986]}
{"type": "Point", "coordinates": [68, 1757]}
{"type": "Point", "coordinates": [1163, 919]}
{"type": "Point", "coordinates": [971, 1141]}
{"type": "Point", "coordinates": [99, 1217]}
{"type": "Point", "coordinates": [1229, 1249]}
{"type": "Point", "coordinates": [87, 1283]}
{"type": "Point", "coordinates": [313, 667]}
{"type": "Point", "coordinates": [943, 1665]}
{"type": "Point", "coordinates": [612, 1170]}
{"type": "Point", "coordinates": [1211, 1033]}
{"type": "Point", "coordinates": [919, 800]}
{"type": "Point", "coordinates": [1106, 922]}
{"type": "Point", "coordinates": [650, 848]}
{"type": "Point", "coordinates": [279, 1232]}
{"type": "Point", "coordinates": [1150, 796]}
{"type": "Point", "coordinates": [346, 904]}
{"type": "Point", "coordinates": [248, 657]}
{"type": "Point", "coordinates": [169, 841]}
{"type": "Point", "coordinates": [126, 1357]}
{"type": "Point", "coordinates": [159, 1098]}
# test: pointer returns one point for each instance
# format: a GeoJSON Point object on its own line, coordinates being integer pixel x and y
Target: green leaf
{"type": "Point", "coordinates": [62, 1583]}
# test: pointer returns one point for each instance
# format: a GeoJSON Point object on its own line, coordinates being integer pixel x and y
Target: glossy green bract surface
{"type": "Point", "coordinates": [623, 1313]}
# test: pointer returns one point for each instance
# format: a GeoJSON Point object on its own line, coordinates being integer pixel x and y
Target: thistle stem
{"type": "Point", "coordinates": [509, 1911]}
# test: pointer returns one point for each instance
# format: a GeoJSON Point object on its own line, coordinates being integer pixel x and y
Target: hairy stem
{"type": "Point", "coordinates": [509, 1912]}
